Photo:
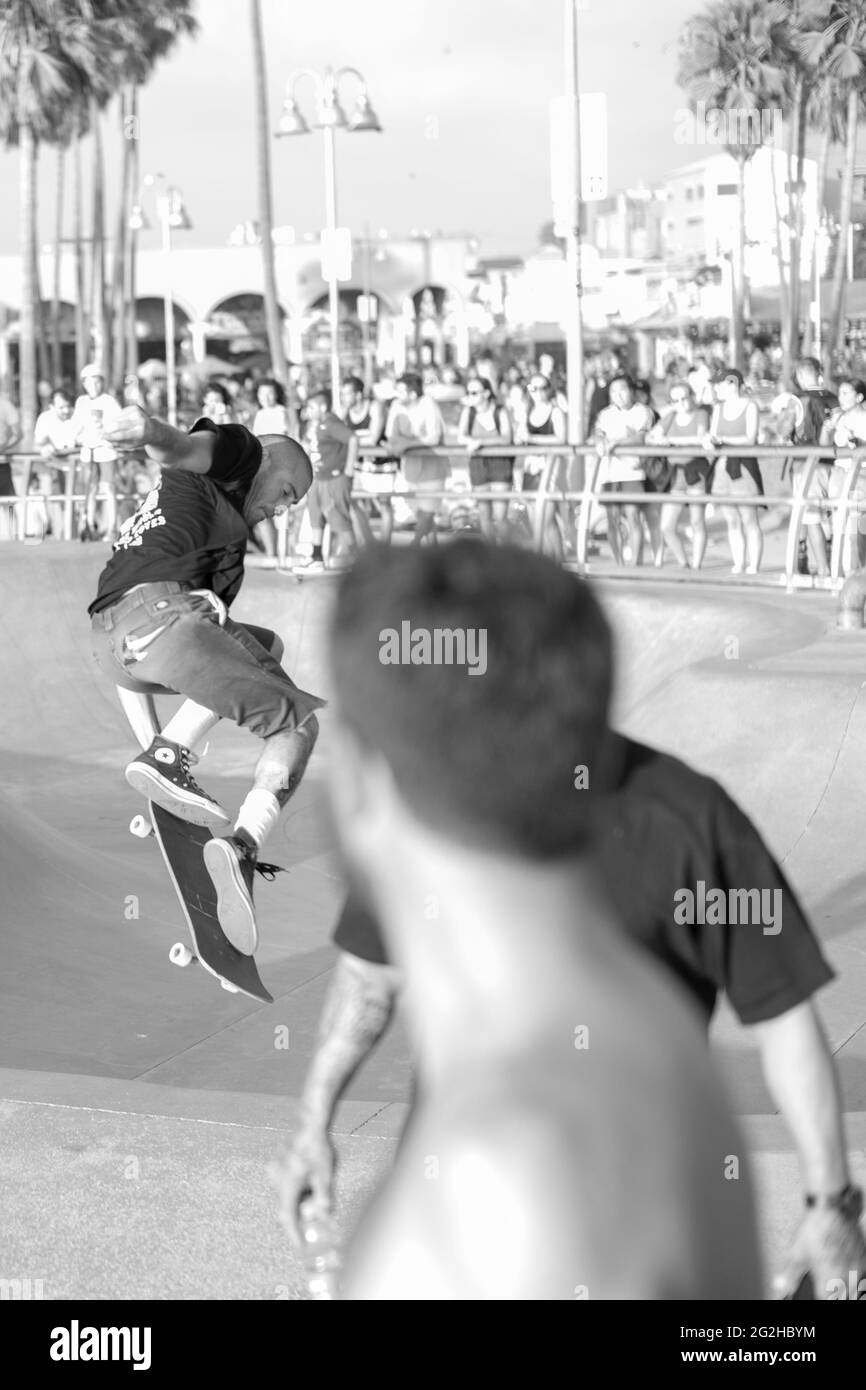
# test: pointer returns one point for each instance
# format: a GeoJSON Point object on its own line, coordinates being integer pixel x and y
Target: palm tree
{"type": "Point", "coordinates": [826, 116]}
{"type": "Point", "coordinates": [797, 57]}
{"type": "Point", "coordinates": [27, 395]}
{"type": "Point", "coordinates": [130, 291]}
{"type": "Point", "coordinates": [279, 365]}
{"type": "Point", "coordinates": [729, 61]}
{"type": "Point", "coordinates": [98, 301]}
{"type": "Point", "coordinates": [109, 46]}
{"type": "Point", "coordinates": [44, 366]}
{"type": "Point", "coordinates": [59, 191]}
{"type": "Point", "coordinates": [151, 33]}
{"type": "Point", "coordinates": [82, 319]}
{"type": "Point", "coordinates": [38, 81]}
{"type": "Point", "coordinates": [841, 52]}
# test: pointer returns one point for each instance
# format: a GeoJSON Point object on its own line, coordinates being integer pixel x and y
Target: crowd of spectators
{"type": "Point", "coordinates": [504, 421]}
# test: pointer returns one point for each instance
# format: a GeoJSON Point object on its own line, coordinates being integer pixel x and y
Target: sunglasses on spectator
{"type": "Point", "coordinates": [535, 389]}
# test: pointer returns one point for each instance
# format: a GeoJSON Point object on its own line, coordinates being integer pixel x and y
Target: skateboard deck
{"type": "Point", "coordinates": [182, 846]}
{"type": "Point", "coordinates": [302, 576]}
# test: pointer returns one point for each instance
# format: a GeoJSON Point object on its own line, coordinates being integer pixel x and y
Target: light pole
{"type": "Point", "coordinates": [172, 214]}
{"type": "Point", "coordinates": [574, 330]}
{"type": "Point", "coordinates": [366, 320]}
{"type": "Point", "coordinates": [849, 259]}
{"type": "Point", "coordinates": [329, 115]}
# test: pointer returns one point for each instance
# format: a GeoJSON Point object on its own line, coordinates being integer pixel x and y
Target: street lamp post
{"type": "Point", "coordinates": [366, 320]}
{"type": "Point", "coordinates": [172, 214]}
{"type": "Point", "coordinates": [333, 289]}
{"type": "Point", "coordinates": [329, 115]}
{"type": "Point", "coordinates": [816, 266]}
{"type": "Point", "coordinates": [574, 311]}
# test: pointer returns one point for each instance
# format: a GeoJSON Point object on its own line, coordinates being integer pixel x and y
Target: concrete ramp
{"type": "Point", "coordinates": [123, 1076]}
{"type": "Point", "coordinates": [88, 913]}
{"type": "Point", "coordinates": [757, 689]}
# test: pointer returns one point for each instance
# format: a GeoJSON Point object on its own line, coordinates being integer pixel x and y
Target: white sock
{"type": "Point", "coordinates": [258, 814]}
{"type": "Point", "coordinates": [189, 724]}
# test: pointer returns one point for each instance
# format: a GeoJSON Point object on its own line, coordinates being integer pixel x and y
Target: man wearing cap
{"type": "Point", "coordinates": [160, 624]}
{"type": "Point", "coordinates": [95, 413]}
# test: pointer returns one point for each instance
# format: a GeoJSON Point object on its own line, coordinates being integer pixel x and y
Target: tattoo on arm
{"type": "Point", "coordinates": [358, 1006]}
{"type": "Point", "coordinates": [357, 1011]}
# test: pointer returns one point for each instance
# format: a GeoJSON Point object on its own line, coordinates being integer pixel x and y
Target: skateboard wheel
{"type": "Point", "coordinates": [232, 989]}
{"type": "Point", "coordinates": [140, 826]}
{"type": "Point", "coordinates": [181, 955]}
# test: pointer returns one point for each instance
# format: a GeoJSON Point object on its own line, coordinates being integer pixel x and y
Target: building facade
{"type": "Point", "coordinates": [402, 293]}
{"type": "Point", "coordinates": [701, 207]}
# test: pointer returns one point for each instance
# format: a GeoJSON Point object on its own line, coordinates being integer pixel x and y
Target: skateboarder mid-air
{"type": "Point", "coordinates": [160, 624]}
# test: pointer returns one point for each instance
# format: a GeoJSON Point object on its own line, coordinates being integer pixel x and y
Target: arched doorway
{"type": "Point", "coordinates": [150, 328]}
{"type": "Point", "coordinates": [358, 327]}
{"type": "Point", "coordinates": [433, 309]}
{"type": "Point", "coordinates": [56, 374]}
{"type": "Point", "coordinates": [236, 330]}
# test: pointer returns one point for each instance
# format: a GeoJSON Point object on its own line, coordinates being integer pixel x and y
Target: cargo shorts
{"type": "Point", "coordinates": [165, 637]}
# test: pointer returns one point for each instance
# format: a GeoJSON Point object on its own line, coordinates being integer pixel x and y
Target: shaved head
{"type": "Point", "coordinates": [284, 477]}
{"type": "Point", "coordinates": [278, 451]}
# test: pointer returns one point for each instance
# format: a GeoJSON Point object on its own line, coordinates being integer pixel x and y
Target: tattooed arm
{"type": "Point", "coordinates": [356, 1012]}
{"type": "Point", "coordinates": [169, 447]}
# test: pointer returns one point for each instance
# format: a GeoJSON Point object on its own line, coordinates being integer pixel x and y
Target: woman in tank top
{"type": "Point", "coordinates": [374, 477]}
{"type": "Point", "coordinates": [485, 422]}
{"type": "Point", "coordinates": [687, 423]}
{"type": "Point", "coordinates": [544, 422]}
{"type": "Point", "coordinates": [272, 417]}
{"type": "Point", "coordinates": [735, 421]}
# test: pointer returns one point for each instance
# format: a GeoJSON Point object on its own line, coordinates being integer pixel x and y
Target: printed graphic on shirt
{"type": "Point", "coordinates": [145, 519]}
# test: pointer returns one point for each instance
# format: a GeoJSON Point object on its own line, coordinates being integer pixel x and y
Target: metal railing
{"type": "Point", "coordinates": [21, 506]}
{"type": "Point", "coordinates": [548, 497]}
{"type": "Point", "coordinates": [544, 503]}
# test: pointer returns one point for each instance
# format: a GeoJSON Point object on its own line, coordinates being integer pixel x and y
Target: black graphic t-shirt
{"type": "Point", "coordinates": [190, 527]}
{"type": "Point", "coordinates": [667, 828]}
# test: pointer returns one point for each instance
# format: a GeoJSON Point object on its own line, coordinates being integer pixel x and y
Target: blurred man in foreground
{"type": "Point", "coordinates": [570, 1138]}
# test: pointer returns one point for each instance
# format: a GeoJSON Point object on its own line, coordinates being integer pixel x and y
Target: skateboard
{"type": "Point", "coordinates": [182, 845]}
{"type": "Point", "coordinates": [302, 576]}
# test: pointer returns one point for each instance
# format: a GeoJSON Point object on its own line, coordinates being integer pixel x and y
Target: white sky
{"type": "Point", "coordinates": [461, 88]}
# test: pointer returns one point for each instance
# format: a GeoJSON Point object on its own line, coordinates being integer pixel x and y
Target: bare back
{"type": "Point", "coordinates": [600, 1163]}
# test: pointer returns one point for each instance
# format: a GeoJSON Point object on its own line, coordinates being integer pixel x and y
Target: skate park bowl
{"type": "Point", "coordinates": [140, 1103]}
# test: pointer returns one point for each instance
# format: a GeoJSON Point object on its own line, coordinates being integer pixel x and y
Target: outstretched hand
{"type": "Point", "coordinates": [305, 1172]}
{"type": "Point", "coordinates": [130, 429]}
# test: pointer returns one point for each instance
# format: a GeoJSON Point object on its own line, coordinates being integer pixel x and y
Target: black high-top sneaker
{"type": "Point", "coordinates": [231, 863]}
{"type": "Point", "coordinates": [162, 774]}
